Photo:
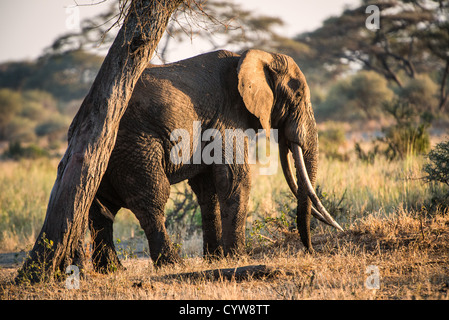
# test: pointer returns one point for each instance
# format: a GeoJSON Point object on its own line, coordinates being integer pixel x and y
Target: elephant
{"type": "Point", "coordinates": [219, 90]}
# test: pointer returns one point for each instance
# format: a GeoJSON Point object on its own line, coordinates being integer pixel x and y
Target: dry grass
{"type": "Point", "coordinates": [383, 209]}
{"type": "Point", "coordinates": [410, 251]}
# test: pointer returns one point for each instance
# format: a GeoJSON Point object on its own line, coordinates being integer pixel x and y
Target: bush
{"type": "Point", "coordinates": [53, 128]}
{"type": "Point", "coordinates": [406, 140]}
{"type": "Point", "coordinates": [367, 156]}
{"type": "Point", "coordinates": [20, 129]}
{"type": "Point", "coordinates": [438, 172]}
{"type": "Point", "coordinates": [16, 151]}
{"type": "Point", "coordinates": [10, 105]}
{"type": "Point", "coordinates": [331, 140]}
{"type": "Point", "coordinates": [409, 136]}
{"type": "Point", "coordinates": [421, 92]}
{"type": "Point", "coordinates": [183, 216]}
{"type": "Point", "coordinates": [358, 97]}
{"type": "Point", "coordinates": [270, 231]}
{"type": "Point", "coordinates": [438, 168]}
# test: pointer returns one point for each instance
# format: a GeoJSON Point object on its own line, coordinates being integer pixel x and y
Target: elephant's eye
{"type": "Point", "coordinates": [294, 84]}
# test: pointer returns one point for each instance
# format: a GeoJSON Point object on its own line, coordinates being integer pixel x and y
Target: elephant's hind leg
{"type": "Point", "coordinates": [204, 188]}
{"type": "Point", "coordinates": [104, 256]}
{"type": "Point", "coordinates": [146, 190]}
{"type": "Point", "coordinates": [148, 206]}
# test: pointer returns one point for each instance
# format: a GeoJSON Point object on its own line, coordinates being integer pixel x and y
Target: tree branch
{"type": "Point", "coordinates": [443, 93]}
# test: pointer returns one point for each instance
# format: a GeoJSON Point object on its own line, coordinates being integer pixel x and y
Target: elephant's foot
{"type": "Point", "coordinates": [107, 261]}
{"type": "Point", "coordinates": [309, 250]}
{"type": "Point", "coordinates": [168, 256]}
{"type": "Point", "coordinates": [213, 255]}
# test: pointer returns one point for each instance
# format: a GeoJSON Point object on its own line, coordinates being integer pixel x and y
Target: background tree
{"type": "Point", "coordinates": [360, 95]}
{"type": "Point", "coordinates": [368, 92]}
{"type": "Point", "coordinates": [413, 38]}
{"type": "Point", "coordinates": [67, 75]}
{"type": "Point", "coordinates": [218, 24]}
{"type": "Point", "coordinates": [10, 104]}
{"type": "Point", "coordinates": [436, 40]}
{"type": "Point", "coordinates": [232, 28]}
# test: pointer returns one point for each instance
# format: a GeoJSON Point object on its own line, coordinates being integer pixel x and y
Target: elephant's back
{"type": "Point", "coordinates": [199, 76]}
{"type": "Point", "coordinates": [174, 95]}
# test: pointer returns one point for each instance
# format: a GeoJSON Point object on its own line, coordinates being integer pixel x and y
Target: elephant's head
{"type": "Point", "coordinates": [275, 90]}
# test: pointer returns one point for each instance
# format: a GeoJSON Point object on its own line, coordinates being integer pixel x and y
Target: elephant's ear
{"type": "Point", "coordinates": [254, 85]}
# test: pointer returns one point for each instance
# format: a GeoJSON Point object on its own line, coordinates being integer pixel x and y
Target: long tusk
{"type": "Point", "coordinates": [287, 168]}
{"type": "Point", "coordinates": [287, 165]}
{"type": "Point", "coordinates": [301, 169]}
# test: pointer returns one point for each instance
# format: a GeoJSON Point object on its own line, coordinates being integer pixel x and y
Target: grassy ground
{"type": "Point", "coordinates": [410, 254]}
{"type": "Point", "coordinates": [384, 207]}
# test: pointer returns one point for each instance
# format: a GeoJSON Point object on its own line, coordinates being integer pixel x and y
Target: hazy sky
{"type": "Point", "coordinates": [28, 26]}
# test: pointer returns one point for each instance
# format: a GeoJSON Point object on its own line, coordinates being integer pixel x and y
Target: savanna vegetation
{"type": "Point", "coordinates": [380, 99]}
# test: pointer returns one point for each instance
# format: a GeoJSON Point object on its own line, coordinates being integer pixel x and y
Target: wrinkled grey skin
{"type": "Point", "coordinates": [222, 90]}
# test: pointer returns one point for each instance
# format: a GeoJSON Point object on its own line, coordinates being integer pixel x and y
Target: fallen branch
{"type": "Point", "coordinates": [238, 274]}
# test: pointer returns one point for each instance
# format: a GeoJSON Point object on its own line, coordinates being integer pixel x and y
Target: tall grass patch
{"type": "Point", "coordinates": [349, 189]}
{"type": "Point", "coordinates": [24, 191]}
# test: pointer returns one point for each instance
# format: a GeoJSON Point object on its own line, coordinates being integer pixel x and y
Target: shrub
{"type": "Point", "coordinates": [54, 129]}
{"type": "Point", "coordinates": [16, 151]}
{"type": "Point", "coordinates": [10, 105]}
{"type": "Point", "coordinates": [269, 231]}
{"type": "Point", "coordinates": [183, 216]}
{"type": "Point", "coordinates": [409, 135]}
{"type": "Point", "coordinates": [331, 140]}
{"type": "Point", "coordinates": [406, 140]}
{"type": "Point", "coordinates": [437, 170]}
{"type": "Point", "coordinates": [359, 96]}
{"type": "Point", "coordinates": [367, 156]}
{"type": "Point", "coordinates": [421, 92]}
{"type": "Point", "coordinates": [438, 167]}
{"type": "Point", "coordinates": [19, 129]}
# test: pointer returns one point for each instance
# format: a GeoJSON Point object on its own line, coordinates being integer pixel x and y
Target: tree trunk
{"type": "Point", "coordinates": [92, 135]}
{"type": "Point", "coordinates": [443, 93]}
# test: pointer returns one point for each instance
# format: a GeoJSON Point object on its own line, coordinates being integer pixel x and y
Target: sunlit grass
{"type": "Point", "coordinates": [382, 186]}
{"type": "Point", "coordinates": [410, 254]}
{"type": "Point", "coordinates": [382, 206]}
{"type": "Point", "coordinates": [358, 187]}
{"type": "Point", "coordinates": [24, 191]}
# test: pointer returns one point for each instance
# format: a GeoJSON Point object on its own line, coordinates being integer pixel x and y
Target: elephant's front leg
{"type": "Point", "coordinates": [233, 184]}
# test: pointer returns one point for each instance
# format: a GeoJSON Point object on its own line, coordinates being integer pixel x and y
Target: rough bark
{"type": "Point", "coordinates": [92, 135]}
